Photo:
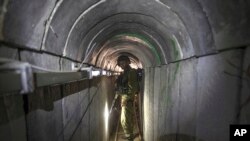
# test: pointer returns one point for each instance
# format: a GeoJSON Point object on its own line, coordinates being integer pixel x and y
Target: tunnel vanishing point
{"type": "Point", "coordinates": [195, 55]}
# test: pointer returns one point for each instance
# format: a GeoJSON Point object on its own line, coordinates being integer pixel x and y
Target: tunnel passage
{"type": "Point", "coordinates": [195, 55]}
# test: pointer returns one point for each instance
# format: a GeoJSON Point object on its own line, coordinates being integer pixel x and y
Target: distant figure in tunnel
{"type": "Point", "coordinates": [128, 87]}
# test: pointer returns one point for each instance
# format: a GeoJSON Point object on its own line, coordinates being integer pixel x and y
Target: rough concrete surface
{"type": "Point", "coordinates": [230, 27]}
{"type": "Point", "coordinates": [24, 22]}
{"type": "Point", "coordinates": [217, 95]}
{"type": "Point", "coordinates": [195, 90]}
{"type": "Point", "coordinates": [198, 102]}
{"type": "Point", "coordinates": [41, 60]}
{"type": "Point", "coordinates": [77, 116]}
{"type": "Point", "coordinates": [172, 99]}
{"type": "Point", "coordinates": [12, 118]}
{"type": "Point", "coordinates": [148, 129]}
{"type": "Point", "coordinates": [188, 101]}
{"type": "Point", "coordinates": [64, 17]}
{"type": "Point", "coordinates": [8, 53]}
{"type": "Point", "coordinates": [46, 125]}
{"type": "Point", "coordinates": [245, 89]}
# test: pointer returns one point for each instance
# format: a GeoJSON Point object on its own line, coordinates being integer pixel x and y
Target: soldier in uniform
{"type": "Point", "coordinates": [127, 86]}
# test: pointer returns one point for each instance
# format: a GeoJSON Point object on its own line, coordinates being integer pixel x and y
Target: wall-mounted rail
{"type": "Point", "coordinates": [20, 77]}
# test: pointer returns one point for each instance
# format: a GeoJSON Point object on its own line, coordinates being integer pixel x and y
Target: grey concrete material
{"type": "Point", "coordinates": [15, 130]}
{"type": "Point", "coordinates": [85, 124]}
{"type": "Point", "coordinates": [68, 65]}
{"type": "Point", "coordinates": [217, 95]}
{"type": "Point", "coordinates": [43, 97]}
{"type": "Point", "coordinates": [148, 129]}
{"type": "Point", "coordinates": [12, 118]}
{"type": "Point", "coordinates": [3, 10]}
{"type": "Point", "coordinates": [72, 88]}
{"type": "Point", "coordinates": [107, 95]}
{"type": "Point", "coordinates": [229, 21]}
{"type": "Point", "coordinates": [110, 83]}
{"type": "Point", "coordinates": [9, 53]}
{"type": "Point", "coordinates": [173, 25]}
{"type": "Point", "coordinates": [24, 22]}
{"type": "Point", "coordinates": [5, 132]}
{"type": "Point", "coordinates": [81, 131]}
{"type": "Point", "coordinates": [218, 79]}
{"type": "Point", "coordinates": [169, 102]}
{"type": "Point", "coordinates": [46, 125]}
{"type": "Point", "coordinates": [97, 108]}
{"type": "Point", "coordinates": [12, 106]}
{"type": "Point", "coordinates": [77, 135]}
{"type": "Point", "coordinates": [188, 101]}
{"type": "Point", "coordinates": [71, 120]}
{"type": "Point", "coordinates": [75, 115]}
{"type": "Point", "coordinates": [173, 95]}
{"type": "Point", "coordinates": [196, 22]}
{"type": "Point", "coordinates": [114, 47]}
{"type": "Point", "coordinates": [1, 4]}
{"type": "Point", "coordinates": [71, 115]}
{"type": "Point", "coordinates": [114, 115]}
{"type": "Point", "coordinates": [156, 100]}
{"type": "Point", "coordinates": [95, 124]}
{"type": "Point", "coordinates": [96, 112]}
{"type": "Point", "coordinates": [115, 30]}
{"type": "Point", "coordinates": [62, 21]}
{"type": "Point", "coordinates": [41, 59]}
{"type": "Point", "coordinates": [245, 90]}
{"type": "Point", "coordinates": [83, 100]}
{"type": "Point", "coordinates": [85, 128]}
{"type": "Point", "coordinates": [164, 101]}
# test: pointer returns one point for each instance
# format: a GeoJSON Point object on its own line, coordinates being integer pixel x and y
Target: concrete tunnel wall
{"type": "Point", "coordinates": [54, 114]}
{"type": "Point", "coordinates": [193, 91]}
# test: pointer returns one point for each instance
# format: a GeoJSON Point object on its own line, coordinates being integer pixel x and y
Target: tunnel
{"type": "Point", "coordinates": [59, 65]}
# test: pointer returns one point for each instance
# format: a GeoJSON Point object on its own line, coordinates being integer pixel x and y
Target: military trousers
{"type": "Point", "coordinates": [127, 113]}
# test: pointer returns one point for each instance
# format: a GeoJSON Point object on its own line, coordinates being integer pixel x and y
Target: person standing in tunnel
{"type": "Point", "coordinates": [128, 87]}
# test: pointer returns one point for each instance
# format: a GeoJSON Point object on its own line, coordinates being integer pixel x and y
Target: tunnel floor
{"type": "Point", "coordinates": [118, 134]}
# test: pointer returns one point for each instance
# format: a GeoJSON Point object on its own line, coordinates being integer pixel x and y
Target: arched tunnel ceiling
{"type": "Point", "coordinates": [110, 62]}
{"type": "Point", "coordinates": [146, 53]}
{"type": "Point", "coordinates": [110, 52]}
{"type": "Point", "coordinates": [177, 29]}
{"type": "Point", "coordinates": [165, 28]}
{"type": "Point", "coordinates": [127, 30]}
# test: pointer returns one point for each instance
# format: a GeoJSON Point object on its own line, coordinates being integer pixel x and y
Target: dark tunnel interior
{"type": "Point", "coordinates": [58, 65]}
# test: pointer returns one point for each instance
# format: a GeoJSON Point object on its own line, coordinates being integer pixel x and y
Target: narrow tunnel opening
{"type": "Point", "coordinates": [148, 42]}
{"type": "Point", "coordinates": [143, 54]}
{"type": "Point", "coordinates": [139, 49]}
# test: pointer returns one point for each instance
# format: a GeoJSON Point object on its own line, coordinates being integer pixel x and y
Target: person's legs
{"type": "Point", "coordinates": [127, 119]}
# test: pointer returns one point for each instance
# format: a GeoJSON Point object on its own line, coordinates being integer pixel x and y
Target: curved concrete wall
{"type": "Point", "coordinates": [194, 53]}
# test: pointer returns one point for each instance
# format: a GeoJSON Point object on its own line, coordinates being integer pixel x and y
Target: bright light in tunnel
{"type": "Point", "coordinates": [96, 73]}
{"type": "Point", "coordinates": [104, 72]}
{"type": "Point", "coordinates": [146, 103]}
{"type": "Point", "coordinates": [134, 66]}
{"type": "Point", "coordinates": [106, 117]}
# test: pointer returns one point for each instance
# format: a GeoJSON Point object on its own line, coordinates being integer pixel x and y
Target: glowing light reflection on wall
{"type": "Point", "coordinates": [106, 117]}
{"type": "Point", "coordinates": [146, 103]}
